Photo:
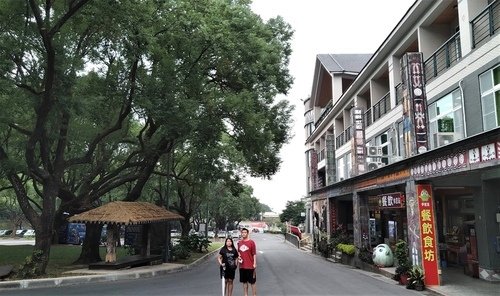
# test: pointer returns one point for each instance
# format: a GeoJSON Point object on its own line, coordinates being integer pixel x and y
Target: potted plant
{"type": "Point", "coordinates": [348, 251]}
{"type": "Point", "coordinates": [416, 278]}
{"type": "Point", "coordinates": [401, 254]}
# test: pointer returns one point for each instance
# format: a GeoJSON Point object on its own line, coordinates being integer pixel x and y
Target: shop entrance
{"type": "Point", "coordinates": [457, 232]}
{"type": "Point", "coordinates": [387, 219]}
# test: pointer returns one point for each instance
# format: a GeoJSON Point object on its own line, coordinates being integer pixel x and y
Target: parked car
{"type": "Point", "coordinates": [235, 234]}
{"type": "Point", "coordinates": [222, 234]}
{"type": "Point", "coordinates": [210, 234]}
{"type": "Point", "coordinates": [29, 232]}
{"type": "Point", "coordinates": [20, 232]}
{"type": "Point", "coordinates": [7, 232]}
{"type": "Point", "coordinates": [175, 233]}
{"type": "Point", "coordinates": [3, 231]}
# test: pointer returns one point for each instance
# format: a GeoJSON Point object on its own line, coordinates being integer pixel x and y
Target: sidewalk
{"type": "Point", "coordinates": [454, 282]}
{"type": "Point", "coordinates": [95, 276]}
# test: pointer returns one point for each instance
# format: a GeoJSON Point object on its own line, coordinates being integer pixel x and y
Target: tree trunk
{"type": "Point", "coordinates": [112, 234]}
{"type": "Point", "coordinates": [90, 247]}
{"type": "Point", "coordinates": [185, 226]}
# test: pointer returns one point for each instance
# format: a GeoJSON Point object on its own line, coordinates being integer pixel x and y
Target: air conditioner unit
{"type": "Point", "coordinates": [441, 139]}
{"type": "Point", "coordinates": [373, 165]}
{"type": "Point", "coordinates": [374, 151]}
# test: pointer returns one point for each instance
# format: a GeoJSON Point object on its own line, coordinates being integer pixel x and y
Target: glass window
{"type": "Point", "coordinates": [446, 123]}
{"type": "Point", "coordinates": [340, 169]}
{"type": "Point", "coordinates": [489, 84]}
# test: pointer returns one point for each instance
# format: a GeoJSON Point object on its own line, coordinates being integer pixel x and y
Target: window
{"type": "Point", "coordinates": [381, 141]}
{"type": "Point", "coordinates": [344, 167]}
{"type": "Point", "coordinates": [489, 84]}
{"type": "Point", "coordinates": [446, 122]}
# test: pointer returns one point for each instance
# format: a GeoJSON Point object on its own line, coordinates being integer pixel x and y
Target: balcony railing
{"type": "Point", "coordinates": [486, 24]}
{"type": "Point", "coordinates": [382, 106]}
{"type": "Point", "coordinates": [443, 58]}
{"type": "Point", "coordinates": [399, 94]}
{"type": "Point", "coordinates": [348, 133]}
{"type": "Point", "coordinates": [368, 117]}
{"type": "Point", "coordinates": [339, 140]}
{"type": "Point", "coordinates": [323, 114]}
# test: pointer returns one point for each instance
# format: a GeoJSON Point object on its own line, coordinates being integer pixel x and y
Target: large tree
{"type": "Point", "coordinates": [94, 93]}
{"type": "Point", "coordinates": [294, 212]}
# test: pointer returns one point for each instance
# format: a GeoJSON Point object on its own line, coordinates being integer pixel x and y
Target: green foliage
{"type": "Point", "coordinates": [401, 254]}
{"type": "Point", "coordinates": [181, 251]}
{"type": "Point", "coordinates": [365, 256]}
{"type": "Point", "coordinates": [346, 248]}
{"type": "Point", "coordinates": [415, 277]}
{"type": "Point", "coordinates": [30, 268]}
{"type": "Point", "coordinates": [292, 212]}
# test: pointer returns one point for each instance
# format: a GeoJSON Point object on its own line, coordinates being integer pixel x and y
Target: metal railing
{"type": "Point", "coordinates": [339, 140]}
{"type": "Point", "coordinates": [486, 24]}
{"type": "Point", "coordinates": [382, 106]}
{"type": "Point", "coordinates": [399, 94]}
{"type": "Point", "coordinates": [444, 57]}
{"type": "Point", "coordinates": [323, 114]}
{"type": "Point", "coordinates": [368, 117]}
{"type": "Point", "coordinates": [348, 133]}
{"type": "Point", "coordinates": [293, 239]}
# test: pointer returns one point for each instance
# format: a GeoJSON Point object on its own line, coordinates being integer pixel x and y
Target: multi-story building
{"type": "Point", "coordinates": [405, 143]}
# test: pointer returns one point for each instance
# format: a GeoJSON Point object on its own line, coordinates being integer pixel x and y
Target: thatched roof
{"type": "Point", "coordinates": [126, 213]}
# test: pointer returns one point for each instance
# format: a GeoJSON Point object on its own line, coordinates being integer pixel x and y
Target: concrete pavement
{"type": "Point", "coordinates": [93, 276]}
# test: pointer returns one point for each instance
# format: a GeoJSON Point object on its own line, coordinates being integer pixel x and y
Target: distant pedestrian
{"type": "Point", "coordinates": [228, 262]}
{"type": "Point", "coordinates": [248, 262]}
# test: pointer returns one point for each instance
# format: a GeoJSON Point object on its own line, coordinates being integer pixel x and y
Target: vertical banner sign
{"type": "Point", "coordinates": [330, 160]}
{"type": "Point", "coordinates": [358, 142]}
{"type": "Point", "coordinates": [414, 104]}
{"type": "Point", "coordinates": [428, 234]}
{"type": "Point", "coordinates": [314, 169]}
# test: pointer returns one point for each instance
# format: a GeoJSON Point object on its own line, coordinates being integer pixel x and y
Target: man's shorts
{"type": "Point", "coordinates": [247, 276]}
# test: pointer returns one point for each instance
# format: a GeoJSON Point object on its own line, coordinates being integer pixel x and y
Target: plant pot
{"type": "Point", "coordinates": [403, 279]}
{"type": "Point", "coordinates": [419, 287]}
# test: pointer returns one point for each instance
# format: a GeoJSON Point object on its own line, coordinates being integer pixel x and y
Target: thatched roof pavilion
{"type": "Point", "coordinates": [126, 213]}
{"type": "Point", "coordinates": [119, 213]}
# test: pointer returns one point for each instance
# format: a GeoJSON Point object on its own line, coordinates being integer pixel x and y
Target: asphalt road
{"type": "Point", "coordinates": [281, 270]}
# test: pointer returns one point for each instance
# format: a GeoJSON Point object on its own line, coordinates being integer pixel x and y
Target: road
{"type": "Point", "coordinates": [281, 270]}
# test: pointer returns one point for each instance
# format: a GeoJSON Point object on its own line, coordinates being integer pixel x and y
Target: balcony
{"type": "Point", "coordinates": [368, 118]}
{"type": "Point", "coordinates": [443, 58]}
{"type": "Point", "coordinates": [323, 114]}
{"type": "Point", "coordinates": [343, 137]}
{"type": "Point", "coordinates": [399, 94]}
{"type": "Point", "coordinates": [382, 106]}
{"type": "Point", "coordinates": [486, 24]}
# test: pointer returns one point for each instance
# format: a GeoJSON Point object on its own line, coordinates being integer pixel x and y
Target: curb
{"type": "Point", "coordinates": [83, 279]}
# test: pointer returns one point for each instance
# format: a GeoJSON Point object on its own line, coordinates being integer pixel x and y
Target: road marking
{"type": "Point", "coordinates": [261, 252]}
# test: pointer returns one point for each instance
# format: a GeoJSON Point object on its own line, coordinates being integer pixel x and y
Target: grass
{"type": "Point", "coordinates": [63, 256]}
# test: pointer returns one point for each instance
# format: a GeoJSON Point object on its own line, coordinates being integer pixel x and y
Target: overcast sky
{"type": "Point", "coordinates": [321, 27]}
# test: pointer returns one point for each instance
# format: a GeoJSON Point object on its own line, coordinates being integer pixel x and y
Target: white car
{"type": "Point", "coordinates": [29, 232]}
{"type": "Point", "coordinates": [235, 234]}
{"type": "Point", "coordinates": [221, 234]}
{"type": "Point", "coordinates": [211, 234]}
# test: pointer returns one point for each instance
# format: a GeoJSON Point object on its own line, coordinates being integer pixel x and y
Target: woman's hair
{"type": "Point", "coordinates": [225, 242]}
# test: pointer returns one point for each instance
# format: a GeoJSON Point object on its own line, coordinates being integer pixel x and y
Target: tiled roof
{"type": "Point", "coordinates": [344, 62]}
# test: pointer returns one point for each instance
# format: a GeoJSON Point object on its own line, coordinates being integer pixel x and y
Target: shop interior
{"type": "Point", "coordinates": [456, 231]}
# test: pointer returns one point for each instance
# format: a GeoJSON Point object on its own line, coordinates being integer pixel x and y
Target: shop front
{"type": "Point", "coordinates": [387, 221]}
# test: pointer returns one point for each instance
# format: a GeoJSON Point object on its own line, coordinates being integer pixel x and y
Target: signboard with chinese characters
{"type": "Point", "coordinates": [314, 169]}
{"type": "Point", "coordinates": [414, 104]}
{"type": "Point", "coordinates": [391, 200]}
{"type": "Point", "coordinates": [428, 234]}
{"type": "Point", "coordinates": [330, 160]}
{"type": "Point", "coordinates": [358, 141]}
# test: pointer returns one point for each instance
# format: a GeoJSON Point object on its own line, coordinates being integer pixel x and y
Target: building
{"type": "Point", "coordinates": [405, 143]}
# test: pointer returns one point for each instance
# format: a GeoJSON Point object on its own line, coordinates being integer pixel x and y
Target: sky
{"type": "Point", "coordinates": [321, 27]}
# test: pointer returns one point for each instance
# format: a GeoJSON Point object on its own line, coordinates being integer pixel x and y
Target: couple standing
{"type": "Point", "coordinates": [245, 255]}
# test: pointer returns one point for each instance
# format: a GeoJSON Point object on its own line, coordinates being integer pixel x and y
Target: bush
{"type": "Point", "coordinates": [401, 253]}
{"type": "Point", "coordinates": [348, 249]}
{"type": "Point", "coordinates": [180, 252]}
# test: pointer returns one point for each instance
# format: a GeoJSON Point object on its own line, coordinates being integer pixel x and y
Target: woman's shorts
{"type": "Point", "coordinates": [228, 273]}
{"type": "Point", "coordinates": [248, 276]}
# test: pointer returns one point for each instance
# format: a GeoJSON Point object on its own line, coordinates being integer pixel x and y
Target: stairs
{"type": "Point", "coordinates": [306, 243]}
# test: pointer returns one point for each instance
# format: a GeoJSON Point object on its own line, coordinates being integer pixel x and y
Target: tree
{"type": "Point", "coordinates": [94, 93]}
{"type": "Point", "coordinates": [293, 212]}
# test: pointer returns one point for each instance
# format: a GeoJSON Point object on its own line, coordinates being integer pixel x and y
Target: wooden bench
{"type": "Point", "coordinates": [128, 261]}
{"type": "Point", "coordinates": [5, 271]}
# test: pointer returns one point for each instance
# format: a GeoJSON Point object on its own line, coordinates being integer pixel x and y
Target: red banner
{"type": "Point", "coordinates": [428, 234]}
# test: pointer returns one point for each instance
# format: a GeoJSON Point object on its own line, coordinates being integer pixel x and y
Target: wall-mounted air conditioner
{"type": "Point", "coordinates": [373, 165]}
{"type": "Point", "coordinates": [374, 151]}
{"type": "Point", "coordinates": [441, 139]}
